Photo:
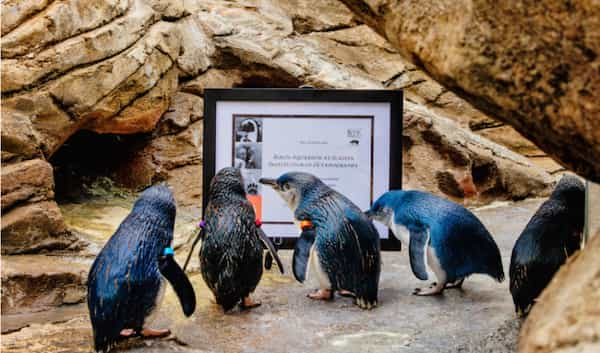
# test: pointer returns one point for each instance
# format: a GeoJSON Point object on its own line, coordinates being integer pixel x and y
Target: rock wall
{"type": "Point", "coordinates": [566, 316]}
{"type": "Point", "coordinates": [135, 68]}
{"type": "Point", "coordinates": [532, 64]}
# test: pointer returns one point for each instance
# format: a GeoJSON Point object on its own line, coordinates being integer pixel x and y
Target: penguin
{"type": "Point", "coordinates": [126, 280]}
{"type": "Point", "coordinates": [449, 237]}
{"type": "Point", "coordinates": [231, 255]}
{"type": "Point", "coordinates": [552, 235]}
{"type": "Point", "coordinates": [337, 243]}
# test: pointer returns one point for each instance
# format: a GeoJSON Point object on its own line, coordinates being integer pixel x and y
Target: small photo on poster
{"type": "Point", "coordinates": [247, 155]}
{"type": "Point", "coordinates": [253, 189]}
{"type": "Point", "coordinates": [248, 129]}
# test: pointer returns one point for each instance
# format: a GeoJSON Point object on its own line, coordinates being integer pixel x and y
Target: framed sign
{"type": "Point", "coordinates": [350, 139]}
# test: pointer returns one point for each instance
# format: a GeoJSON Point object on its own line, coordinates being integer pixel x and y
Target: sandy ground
{"type": "Point", "coordinates": [478, 318]}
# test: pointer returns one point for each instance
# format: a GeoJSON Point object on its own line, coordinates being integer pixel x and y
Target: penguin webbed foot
{"type": "Point", "coordinates": [433, 289]}
{"type": "Point", "coordinates": [248, 303]}
{"type": "Point", "coordinates": [154, 333]}
{"type": "Point", "coordinates": [456, 284]}
{"type": "Point", "coordinates": [346, 293]}
{"type": "Point", "coordinates": [321, 294]}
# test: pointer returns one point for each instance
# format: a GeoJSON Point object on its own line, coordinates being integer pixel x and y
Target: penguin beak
{"type": "Point", "coordinates": [369, 214]}
{"type": "Point", "coordinates": [267, 181]}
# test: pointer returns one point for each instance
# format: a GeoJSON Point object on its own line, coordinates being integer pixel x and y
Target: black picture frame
{"type": "Point", "coordinates": [214, 95]}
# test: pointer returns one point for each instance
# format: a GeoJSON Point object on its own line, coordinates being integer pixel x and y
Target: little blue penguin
{"type": "Point", "coordinates": [552, 235]}
{"type": "Point", "coordinates": [125, 283]}
{"type": "Point", "coordinates": [338, 242]}
{"type": "Point", "coordinates": [231, 256]}
{"type": "Point", "coordinates": [449, 237]}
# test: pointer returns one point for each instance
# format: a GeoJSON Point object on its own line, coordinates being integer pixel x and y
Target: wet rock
{"type": "Point", "coordinates": [531, 65]}
{"type": "Point", "coordinates": [33, 228]}
{"type": "Point", "coordinates": [26, 182]}
{"type": "Point", "coordinates": [565, 317]}
{"type": "Point", "coordinates": [35, 282]}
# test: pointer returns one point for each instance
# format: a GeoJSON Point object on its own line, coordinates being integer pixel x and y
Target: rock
{"type": "Point", "coordinates": [89, 47]}
{"type": "Point", "coordinates": [317, 16]}
{"type": "Point", "coordinates": [36, 282]}
{"type": "Point", "coordinates": [26, 182]}
{"type": "Point", "coordinates": [19, 140]}
{"type": "Point", "coordinates": [60, 20]}
{"type": "Point", "coordinates": [443, 158]}
{"type": "Point", "coordinates": [34, 227]}
{"type": "Point", "coordinates": [532, 65]}
{"type": "Point", "coordinates": [565, 317]}
{"type": "Point", "coordinates": [185, 109]}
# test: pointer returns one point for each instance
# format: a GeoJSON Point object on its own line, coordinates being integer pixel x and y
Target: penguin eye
{"type": "Point", "coordinates": [285, 187]}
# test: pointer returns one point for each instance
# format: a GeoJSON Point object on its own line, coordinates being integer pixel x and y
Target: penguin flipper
{"type": "Point", "coordinates": [302, 253]}
{"type": "Point", "coordinates": [181, 284]}
{"type": "Point", "coordinates": [271, 247]}
{"type": "Point", "coordinates": [416, 249]}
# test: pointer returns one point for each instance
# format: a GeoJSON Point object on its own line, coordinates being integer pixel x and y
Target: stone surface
{"type": "Point", "coordinates": [287, 321]}
{"type": "Point", "coordinates": [26, 182]}
{"type": "Point", "coordinates": [35, 282]}
{"type": "Point", "coordinates": [532, 65]}
{"type": "Point", "coordinates": [33, 228]}
{"type": "Point", "coordinates": [566, 316]}
{"type": "Point", "coordinates": [443, 158]}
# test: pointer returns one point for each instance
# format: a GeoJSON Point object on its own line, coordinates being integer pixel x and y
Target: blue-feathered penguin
{"type": "Point", "coordinates": [338, 243]}
{"type": "Point", "coordinates": [453, 241]}
{"type": "Point", "coordinates": [551, 236]}
{"type": "Point", "coordinates": [125, 283]}
{"type": "Point", "coordinates": [231, 256]}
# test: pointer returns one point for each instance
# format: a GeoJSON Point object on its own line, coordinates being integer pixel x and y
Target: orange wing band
{"type": "Point", "coordinates": [306, 224]}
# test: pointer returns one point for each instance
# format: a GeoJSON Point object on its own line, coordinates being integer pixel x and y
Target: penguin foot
{"type": "Point", "coordinates": [365, 304]}
{"type": "Point", "coordinates": [433, 289]}
{"type": "Point", "coordinates": [127, 332]}
{"type": "Point", "coordinates": [346, 293]}
{"type": "Point", "coordinates": [321, 294]}
{"type": "Point", "coordinates": [150, 333]}
{"type": "Point", "coordinates": [456, 284]}
{"type": "Point", "coordinates": [248, 303]}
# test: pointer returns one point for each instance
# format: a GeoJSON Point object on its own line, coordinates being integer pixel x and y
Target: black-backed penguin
{"type": "Point", "coordinates": [231, 256]}
{"type": "Point", "coordinates": [552, 235]}
{"type": "Point", "coordinates": [125, 283]}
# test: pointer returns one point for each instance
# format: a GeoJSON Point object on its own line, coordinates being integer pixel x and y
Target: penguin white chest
{"type": "Point", "coordinates": [316, 271]}
{"type": "Point", "coordinates": [401, 232]}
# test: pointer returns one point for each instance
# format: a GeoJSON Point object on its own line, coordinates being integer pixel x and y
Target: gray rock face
{"type": "Point", "coordinates": [533, 65]}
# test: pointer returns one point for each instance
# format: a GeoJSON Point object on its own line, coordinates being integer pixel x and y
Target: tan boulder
{"type": "Point", "coordinates": [533, 65]}
{"type": "Point", "coordinates": [566, 316]}
{"type": "Point", "coordinates": [33, 228]}
{"type": "Point", "coordinates": [26, 182]}
{"type": "Point", "coordinates": [36, 282]}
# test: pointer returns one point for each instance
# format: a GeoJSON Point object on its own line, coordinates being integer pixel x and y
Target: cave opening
{"type": "Point", "coordinates": [89, 162]}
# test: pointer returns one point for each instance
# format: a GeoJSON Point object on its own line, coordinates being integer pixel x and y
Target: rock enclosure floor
{"type": "Point", "coordinates": [478, 318]}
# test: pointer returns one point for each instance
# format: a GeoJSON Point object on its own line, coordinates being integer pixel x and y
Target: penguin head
{"type": "Point", "coordinates": [158, 199]}
{"type": "Point", "coordinates": [382, 209]}
{"type": "Point", "coordinates": [227, 182]}
{"type": "Point", "coordinates": [294, 186]}
{"type": "Point", "coordinates": [570, 190]}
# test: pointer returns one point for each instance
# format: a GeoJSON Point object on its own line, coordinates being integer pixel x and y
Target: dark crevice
{"type": "Point", "coordinates": [80, 166]}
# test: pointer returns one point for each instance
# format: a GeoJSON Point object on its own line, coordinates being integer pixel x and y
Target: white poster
{"type": "Point", "coordinates": [336, 147]}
